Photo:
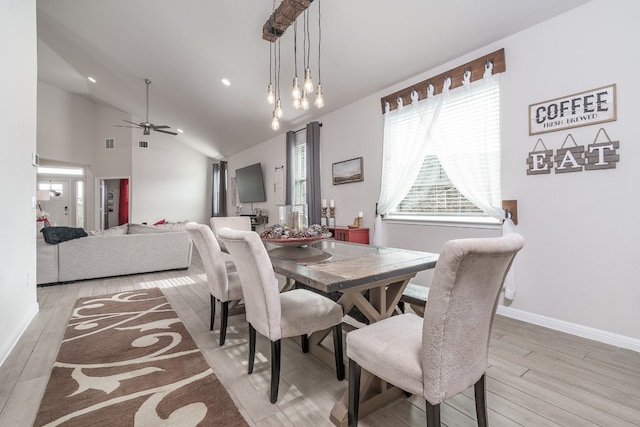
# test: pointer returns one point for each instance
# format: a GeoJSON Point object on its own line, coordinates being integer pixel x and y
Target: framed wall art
{"type": "Point", "coordinates": [347, 171]}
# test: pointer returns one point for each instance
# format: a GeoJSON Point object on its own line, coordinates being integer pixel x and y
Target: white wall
{"type": "Point", "coordinates": [170, 181]}
{"type": "Point", "coordinates": [65, 126]}
{"type": "Point", "coordinates": [18, 85]}
{"type": "Point", "coordinates": [576, 271]}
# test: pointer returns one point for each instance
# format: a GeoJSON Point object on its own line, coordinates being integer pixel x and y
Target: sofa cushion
{"type": "Point", "coordinates": [113, 231]}
{"type": "Point", "coordinates": [144, 229]}
{"type": "Point", "coordinates": [54, 235]}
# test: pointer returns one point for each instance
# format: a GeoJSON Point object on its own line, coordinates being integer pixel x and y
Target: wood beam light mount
{"type": "Point", "coordinates": [283, 17]}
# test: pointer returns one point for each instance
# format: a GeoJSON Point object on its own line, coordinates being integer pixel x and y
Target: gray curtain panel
{"type": "Point", "coordinates": [290, 172]}
{"type": "Point", "coordinates": [313, 173]}
{"type": "Point", "coordinates": [219, 189]}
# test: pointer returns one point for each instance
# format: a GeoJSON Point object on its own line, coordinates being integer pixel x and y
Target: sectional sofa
{"type": "Point", "coordinates": [126, 249]}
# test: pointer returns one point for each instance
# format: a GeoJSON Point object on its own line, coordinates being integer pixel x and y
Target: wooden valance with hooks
{"type": "Point", "coordinates": [283, 17]}
{"type": "Point", "coordinates": [476, 67]}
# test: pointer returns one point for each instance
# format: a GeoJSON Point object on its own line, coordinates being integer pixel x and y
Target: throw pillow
{"type": "Point", "coordinates": [162, 221]}
{"type": "Point", "coordinates": [55, 235]}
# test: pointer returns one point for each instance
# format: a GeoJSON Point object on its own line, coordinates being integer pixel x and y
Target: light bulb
{"type": "Point", "coordinates": [271, 96]}
{"type": "Point", "coordinates": [296, 103]}
{"type": "Point", "coordinates": [295, 91]}
{"type": "Point", "coordinates": [278, 110]}
{"type": "Point", "coordinates": [319, 102]}
{"type": "Point", "coordinates": [308, 81]}
{"type": "Point", "coordinates": [275, 123]}
{"type": "Point", "coordinates": [304, 102]}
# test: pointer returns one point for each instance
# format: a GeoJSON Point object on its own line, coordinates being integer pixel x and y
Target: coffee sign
{"type": "Point", "coordinates": [580, 109]}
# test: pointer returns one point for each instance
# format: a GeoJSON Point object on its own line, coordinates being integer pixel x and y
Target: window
{"type": "Point", "coordinates": [459, 154]}
{"type": "Point", "coordinates": [433, 194]}
{"type": "Point", "coordinates": [300, 169]}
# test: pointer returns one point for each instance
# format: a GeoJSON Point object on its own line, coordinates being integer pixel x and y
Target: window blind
{"type": "Point", "coordinates": [474, 120]}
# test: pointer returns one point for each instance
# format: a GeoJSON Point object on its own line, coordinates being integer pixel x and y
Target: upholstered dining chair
{"type": "Point", "coordinates": [222, 278]}
{"type": "Point", "coordinates": [276, 315]}
{"type": "Point", "coordinates": [447, 352]}
{"type": "Point", "coordinates": [233, 222]}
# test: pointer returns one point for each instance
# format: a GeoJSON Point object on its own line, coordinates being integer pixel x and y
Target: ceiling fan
{"type": "Point", "coordinates": [146, 126]}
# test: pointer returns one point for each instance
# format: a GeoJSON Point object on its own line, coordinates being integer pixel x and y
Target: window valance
{"type": "Point", "coordinates": [476, 67]}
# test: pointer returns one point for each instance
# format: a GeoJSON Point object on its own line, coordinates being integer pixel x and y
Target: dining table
{"type": "Point", "coordinates": [368, 277]}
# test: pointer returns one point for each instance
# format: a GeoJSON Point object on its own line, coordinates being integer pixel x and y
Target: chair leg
{"type": "Point", "coordinates": [224, 316]}
{"type": "Point", "coordinates": [337, 346]}
{"type": "Point", "coordinates": [252, 348]}
{"type": "Point", "coordinates": [213, 311]}
{"type": "Point", "coordinates": [479, 389]}
{"type": "Point", "coordinates": [305, 343]}
{"type": "Point", "coordinates": [354, 393]}
{"type": "Point", "coordinates": [275, 370]}
{"type": "Point", "coordinates": [433, 415]}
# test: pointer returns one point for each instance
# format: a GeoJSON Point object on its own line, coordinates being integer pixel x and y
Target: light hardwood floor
{"type": "Point", "coordinates": [536, 377]}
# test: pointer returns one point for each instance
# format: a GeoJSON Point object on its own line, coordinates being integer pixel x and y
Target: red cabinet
{"type": "Point", "coordinates": [353, 235]}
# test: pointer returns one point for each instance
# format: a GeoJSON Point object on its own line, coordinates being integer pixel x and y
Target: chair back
{"type": "Point", "coordinates": [459, 312]}
{"type": "Point", "coordinates": [212, 259]}
{"type": "Point", "coordinates": [233, 222]}
{"type": "Point", "coordinates": [258, 280]}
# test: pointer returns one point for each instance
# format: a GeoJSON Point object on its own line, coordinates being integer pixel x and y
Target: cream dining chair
{"type": "Point", "coordinates": [222, 278]}
{"type": "Point", "coordinates": [233, 222]}
{"type": "Point", "coordinates": [276, 315]}
{"type": "Point", "coordinates": [447, 352]}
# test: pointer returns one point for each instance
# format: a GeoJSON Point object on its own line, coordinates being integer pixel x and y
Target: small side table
{"type": "Point", "coordinates": [352, 235]}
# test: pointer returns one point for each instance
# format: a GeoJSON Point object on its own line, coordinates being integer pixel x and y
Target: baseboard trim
{"type": "Point", "coordinates": [11, 343]}
{"type": "Point", "coordinates": [571, 328]}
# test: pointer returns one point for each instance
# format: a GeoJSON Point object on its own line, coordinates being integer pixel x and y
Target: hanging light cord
{"type": "Point", "coordinates": [278, 73]}
{"type": "Point", "coordinates": [295, 48]}
{"type": "Point", "coordinates": [307, 42]}
{"type": "Point", "coordinates": [319, 42]}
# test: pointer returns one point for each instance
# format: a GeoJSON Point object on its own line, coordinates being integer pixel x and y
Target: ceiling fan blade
{"type": "Point", "coordinates": [166, 131]}
{"type": "Point", "coordinates": [137, 124]}
{"type": "Point", "coordinates": [161, 127]}
{"type": "Point", "coordinates": [124, 126]}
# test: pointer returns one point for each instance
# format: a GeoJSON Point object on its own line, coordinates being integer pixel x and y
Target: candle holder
{"type": "Point", "coordinates": [323, 218]}
{"type": "Point", "coordinates": [332, 216]}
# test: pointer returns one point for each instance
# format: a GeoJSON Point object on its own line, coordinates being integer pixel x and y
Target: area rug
{"type": "Point", "coordinates": [127, 360]}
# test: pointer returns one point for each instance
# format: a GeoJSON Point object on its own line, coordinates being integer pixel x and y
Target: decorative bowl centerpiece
{"type": "Point", "coordinates": [282, 235]}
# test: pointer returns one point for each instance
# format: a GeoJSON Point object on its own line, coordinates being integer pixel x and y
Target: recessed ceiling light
{"type": "Point", "coordinates": [91, 79]}
{"type": "Point", "coordinates": [226, 82]}
{"type": "Point", "coordinates": [180, 130]}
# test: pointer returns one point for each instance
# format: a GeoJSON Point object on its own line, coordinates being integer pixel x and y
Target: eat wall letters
{"type": "Point", "coordinates": [597, 155]}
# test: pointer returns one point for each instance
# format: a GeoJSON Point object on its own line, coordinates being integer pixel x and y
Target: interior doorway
{"type": "Point", "coordinates": [114, 202]}
{"type": "Point", "coordinates": [56, 201]}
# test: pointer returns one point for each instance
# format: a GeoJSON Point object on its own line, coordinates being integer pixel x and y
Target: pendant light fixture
{"type": "Point", "coordinates": [280, 19]}
{"type": "Point", "coordinates": [296, 93]}
{"type": "Point", "coordinates": [308, 81]}
{"type": "Point", "coordinates": [271, 96]}
{"type": "Point", "coordinates": [319, 101]}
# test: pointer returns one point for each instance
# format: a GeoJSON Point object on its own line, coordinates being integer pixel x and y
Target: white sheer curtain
{"type": "Point", "coordinates": [470, 152]}
{"type": "Point", "coordinates": [406, 133]}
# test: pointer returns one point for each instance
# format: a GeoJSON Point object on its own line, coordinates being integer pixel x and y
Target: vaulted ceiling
{"type": "Point", "coordinates": [186, 47]}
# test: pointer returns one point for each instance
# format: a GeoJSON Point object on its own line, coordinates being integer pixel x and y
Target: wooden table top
{"type": "Point", "coordinates": [331, 266]}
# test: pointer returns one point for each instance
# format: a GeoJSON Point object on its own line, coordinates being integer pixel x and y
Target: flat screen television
{"type": "Point", "coordinates": [250, 184]}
